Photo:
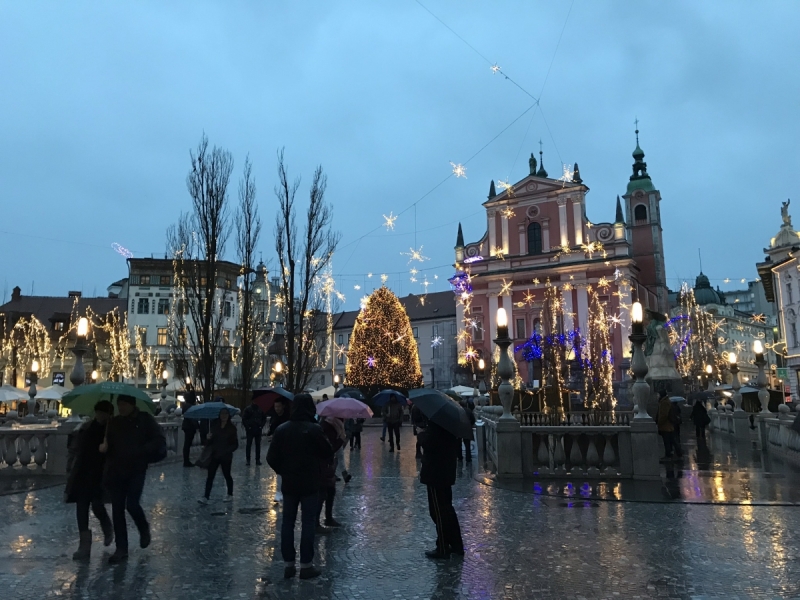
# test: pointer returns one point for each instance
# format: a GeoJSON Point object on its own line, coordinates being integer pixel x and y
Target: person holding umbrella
{"type": "Point", "coordinates": [189, 427]}
{"type": "Point", "coordinates": [280, 415]}
{"type": "Point", "coordinates": [253, 420]}
{"type": "Point", "coordinates": [85, 481]}
{"type": "Point", "coordinates": [133, 439]}
{"type": "Point", "coordinates": [394, 419]}
{"type": "Point", "coordinates": [224, 440]}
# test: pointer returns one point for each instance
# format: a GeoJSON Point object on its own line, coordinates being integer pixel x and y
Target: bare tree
{"type": "Point", "coordinates": [197, 243]}
{"type": "Point", "coordinates": [302, 262]}
{"type": "Point", "coordinates": [247, 224]}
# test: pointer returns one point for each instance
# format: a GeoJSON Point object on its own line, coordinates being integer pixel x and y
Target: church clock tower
{"type": "Point", "coordinates": [642, 208]}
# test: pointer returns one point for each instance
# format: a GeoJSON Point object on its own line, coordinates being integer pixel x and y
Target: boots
{"type": "Point", "coordinates": [85, 546]}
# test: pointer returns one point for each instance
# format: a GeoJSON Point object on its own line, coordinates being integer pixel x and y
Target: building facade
{"type": "Point", "coordinates": [538, 235]}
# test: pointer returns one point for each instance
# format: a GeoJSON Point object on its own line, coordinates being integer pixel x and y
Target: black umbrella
{"type": "Point", "coordinates": [441, 409]}
{"type": "Point", "coordinates": [350, 392]}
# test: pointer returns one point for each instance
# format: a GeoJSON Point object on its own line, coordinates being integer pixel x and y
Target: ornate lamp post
{"type": "Point", "coordinates": [641, 390]}
{"type": "Point", "coordinates": [710, 378]}
{"type": "Point", "coordinates": [278, 368]}
{"type": "Point", "coordinates": [482, 386]}
{"type": "Point", "coordinates": [336, 380]}
{"type": "Point", "coordinates": [95, 375]}
{"type": "Point", "coordinates": [763, 393]}
{"type": "Point", "coordinates": [78, 374]}
{"type": "Point", "coordinates": [164, 377]}
{"type": "Point", "coordinates": [504, 368]}
{"type": "Point", "coordinates": [735, 383]}
{"type": "Point", "coordinates": [32, 390]}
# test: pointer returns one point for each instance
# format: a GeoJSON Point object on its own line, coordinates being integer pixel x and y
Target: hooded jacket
{"type": "Point", "coordinates": [299, 450]}
{"type": "Point", "coordinates": [131, 441]}
{"type": "Point", "coordinates": [439, 456]}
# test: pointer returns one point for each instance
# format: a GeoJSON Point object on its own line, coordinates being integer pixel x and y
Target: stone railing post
{"type": "Point", "coordinates": [57, 448]}
{"type": "Point", "coordinates": [644, 430]}
{"type": "Point", "coordinates": [509, 441]}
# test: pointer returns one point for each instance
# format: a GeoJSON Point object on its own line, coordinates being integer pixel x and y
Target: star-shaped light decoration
{"type": "Point", "coordinates": [607, 263]}
{"type": "Point", "coordinates": [426, 283]}
{"type": "Point", "coordinates": [528, 298]}
{"type": "Point", "coordinates": [415, 255]}
{"type": "Point", "coordinates": [369, 275]}
{"type": "Point", "coordinates": [506, 187]}
{"type": "Point", "coordinates": [341, 350]}
{"type": "Point", "coordinates": [363, 302]}
{"type": "Point", "coordinates": [568, 287]}
{"type": "Point", "coordinates": [589, 224]}
{"type": "Point", "coordinates": [339, 295]}
{"type": "Point", "coordinates": [371, 362]}
{"type": "Point", "coordinates": [437, 341]}
{"type": "Point", "coordinates": [459, 170]}
{"type": "Point", "coordinates": [413, 279]}
{"type": "Point", "coordinates": [495, 68]}
{"type": "Point", "coordinates": [389, 221]}
{"type": "Point", "coordinates": [507, 212]}
{"type": "Point", "coordinates": [499, 253]}
{"type": "Point", "coordinates": [759, 318]}
{"type": "Point", "coordinates": [566, 176]}
{"type": "Point", "coordinates": [603, 283]}
{"type": "Point", "coordinates": [726, 280]}
{"type": "Point", "coordinates": [436, 277]}
{"type": "Point", "coordinates": [356, 287]}
{"type": "Point", "coordinates": [470, 353]}
{"type": "Point", "coordinates": [384, 278]}
{"type": "Point", "coordinates": [505, 290]}
{"type": "Point", "coordinates": [617, 274]}
{"type": "Point", "coordinates": [739, 346]}
{"type": "Point", "coordinates": [413, 271]}
{"type": "Point", "coordinates": [615, 320]}
{"type": "Point", "coordinates": [743, 280]}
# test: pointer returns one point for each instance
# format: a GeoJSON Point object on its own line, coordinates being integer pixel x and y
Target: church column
{"type": "Point", "coordinates": [523, 243]}
{"type": "Point", "coordinates": [569, 319]}
{"type": "Point", "coordinates": [546, 235]}
{"type": "Point", "coordinates": [492, 320]}
{"type": "Point", "coordinates": [577, 217]}
{"type": "Point", "coordinates": [461, 343]}
{"type": "Point", "coordinates": [504, 240]}
{"type": "Point", "coordinates": [562, 222]}
{"type": "Point", "coordinates": [492, 232]}
{"type": "Point", "coordinates": [583, 309]}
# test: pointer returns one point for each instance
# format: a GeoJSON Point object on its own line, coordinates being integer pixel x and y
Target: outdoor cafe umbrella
{"type": "Point", "coordinates": [209, 410]}
{"type": "Point", "coordinates": [382, 398]}
{"type": "Point", "coordinates": [9, 396]}
{"type": "Point", "coordinates": [441, 409]}
{"type": "Point", "coordinates": [81, 400]}
{"type": "Point", "coordinates": [54, 392]}
{"type": "Point", "coordinates": [19, 394]}
{"type": "Point", "coordinates": [344, 408]}
{"type": "Point", "coordinates": [265, 397]}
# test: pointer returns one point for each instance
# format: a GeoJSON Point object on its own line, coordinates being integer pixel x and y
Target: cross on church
{"type": "Point", "coordinates": [540, 145]}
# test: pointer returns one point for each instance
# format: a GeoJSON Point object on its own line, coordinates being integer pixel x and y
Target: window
{"type": "Point", "coordinates": [225, 369]}
{"type": "Point", "coordinates": [143, 306]}
{"type": "Point", "coordinates": [435, 331]}
{"type": "Point", "coordinates": [58, 326]}
{"type": "Point", "coordinates": [226, 337]}
{"type": "Point", "coordinates": [534, 238]}
{"type": "Point", "coordinates": [793, 327]}
{"type": "Point", "coordinates": [143, 335]}
{"type": "Point", "coordinates": [416, 332]}
{"type": "Point", "coordinates": [162, 336]}
{"type": "Point", "coordinates": [521, 329]}
{"type": "Point", "coordinates": [477, 331]}
{"type": "Point", "coordinates": [788, 292]}
{"type": "Point", "coordinates": [640, 213]}
{"type": "Point", "coordinates": [134, 280]}
{"type": "Point", "coordinates": [340, 339]}
{"type": "Point", "coordinates": [163, 306]}
{"type": "Point", "coordinates": [144, 279]}
{"type": "Point", "coordinates": [183, 336]}
{"type": "Point", "coordinates": [227, 284]}
{"type": "Point", "coordinates": [340, 358]}
{"type": "Point", "coordinates": [348, 339]}
{"type": "Point", "coordinates": [166, 280]}
{"type": "Point", "coordinates": [228, 309]}
{"type": "Point", "coordinates": [537, 326]}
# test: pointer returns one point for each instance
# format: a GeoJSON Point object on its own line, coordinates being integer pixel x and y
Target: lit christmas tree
{"type": "Point", "coordinates": [383, 352]}
{"type": "Point", "coordinates": [693, 336]}
{"type": "Point", "coordinates": [598, 364]}
{"type": "Point", "coordinates": [556, 394]}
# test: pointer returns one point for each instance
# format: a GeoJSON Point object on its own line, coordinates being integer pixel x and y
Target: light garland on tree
{"type": "Point", "coordinates": [597, 357]}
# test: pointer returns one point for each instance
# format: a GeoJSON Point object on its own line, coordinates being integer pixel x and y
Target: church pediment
{"type": "Point", "coordinates": [532, 186]}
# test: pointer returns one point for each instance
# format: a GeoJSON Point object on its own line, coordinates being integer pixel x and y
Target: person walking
{"type": "Point", "coordinates": [394, 418]}
{"type": "Point", "coordinates": [84, 486]}
{"type": "Point", "coordinates": [354, 428]}
{"type": "Point", "coordinates": [676, 420]}
{"type": "Point", "coordinates": [467, 443]}
{"type": "Point", "coordinates": [133, 439]}
{"type": "Point", "coordinates": [700, 419]}
{"type": "Point", "coordinates": [189, 427]}
{"type": "Point", "coordinates": [224, 440]}
{"type": "Point", "coordinates": [253, 420]}
{"type": "Point", "coordinates": [334, 432]}
{"type": "Point", "coordinates": [665, 427]}
{"type": "Point", "coordinates": [298, 451]}
{"type": "Point", "coordinates": [438, 473]}
{"type": "Point", "coordinates": [279, 416]}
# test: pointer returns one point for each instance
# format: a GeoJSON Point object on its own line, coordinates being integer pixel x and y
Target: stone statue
{"type": "Point", "coordinates": [532, 164]}
{"type": "Point", "coordinates": [654, 329]}
{"type": "Point", "coordinates": [659, 353]}
{"type": "Point", "coordinates": [787, 219]}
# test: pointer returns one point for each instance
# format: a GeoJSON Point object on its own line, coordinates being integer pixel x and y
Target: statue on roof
{"type": "Point", "coordinates": [787, 219]}
{"type": "Point", "coordinates": [532, 164]}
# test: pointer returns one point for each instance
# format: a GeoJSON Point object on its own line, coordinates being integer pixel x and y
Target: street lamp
{"type": "Point", "coordinates": [482, 369]}
{"type": "Point", "coordinates": [638, 364]}
{"type": "Point", "coordinates": [34, 379]}
{"type": "Point", "coordinates": [735, 383]}
{"type": "Point", "coordinates": [95, 375]}
{"type": "Point", "coordinates": [336, 381]}
{"type": "Point", "coordinates": [763, 394]}
{"type": "Point", "coordinates": [164, 377]}
{"type": "Point", "coordinates": [504, 368]}
{"type": "Point", "coordinates": [78, 375]}
{"type": "Point", "coordinates": [278, 368]}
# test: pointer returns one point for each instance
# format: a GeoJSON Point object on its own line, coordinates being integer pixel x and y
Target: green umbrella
{"type": "Point", "coordinates": [82, 399]}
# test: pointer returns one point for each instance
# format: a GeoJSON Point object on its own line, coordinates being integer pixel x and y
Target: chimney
{"type": "Point", "coordinates": [74, 294]}
{"type": "Point", "coordinates": [16, 293]}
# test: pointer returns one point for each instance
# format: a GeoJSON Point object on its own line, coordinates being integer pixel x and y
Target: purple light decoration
{"type": "Point", "coordinates": [122, 250]}
{"type": "Point", "coordinates": [472, 259]}
{"type": "Point", "coordinates": [371, 362]}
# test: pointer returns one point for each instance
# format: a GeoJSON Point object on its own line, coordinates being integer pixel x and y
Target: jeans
{"type": "Point", "coordinates": [385, 425]}
{"type": "Point", "coordinates": [448, 531]}
{"type": "Point", "coordinates": [98, 508]}
{"type": "Point", "coordinates": [668, 438]}
{"type": "Point", "coordinates": [394, 428]}
{"type": "Point", "coordinates": [188, 438]}
{"type": "Point", "coordinates": [225, 463]}
{"type": "Point", "coordinates": [326, 495]}
{"type": "Point", "coordinates": [310, 506]}
{"type": "Point", "coordinates": [125, 494]}
{"type": "Point", "coordinates": [251, 436]}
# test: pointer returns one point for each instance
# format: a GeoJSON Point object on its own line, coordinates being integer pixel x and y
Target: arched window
{"type": "Point", "coordinates": [640, 213]}
{"type": "Point", "coordinates": [534, 238]}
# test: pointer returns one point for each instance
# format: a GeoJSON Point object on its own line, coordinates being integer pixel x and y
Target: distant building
{"type": "Point", "coordinates": [753, 300]}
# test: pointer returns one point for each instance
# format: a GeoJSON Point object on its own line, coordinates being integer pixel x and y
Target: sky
{"type": "Point", "coordinates": [102, 102]}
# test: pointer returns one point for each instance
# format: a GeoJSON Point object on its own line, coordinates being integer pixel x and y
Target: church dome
{"type": "Point", "coordinates": [704, 293]}
{"type": "Point", "coordinates": [786, 237]}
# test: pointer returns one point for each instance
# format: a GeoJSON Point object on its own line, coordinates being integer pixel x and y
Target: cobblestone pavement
{"type": "Point", "coordinates": [518, 545]}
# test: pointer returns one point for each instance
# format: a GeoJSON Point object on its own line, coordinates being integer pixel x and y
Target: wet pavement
{"type": "Point", "coordinates": [519, 545]}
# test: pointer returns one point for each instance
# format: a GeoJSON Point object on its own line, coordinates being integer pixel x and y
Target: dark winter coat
{"type": "Point", "coordinates": [329, 465]}
{"type": "Point", "coordinates": [132, 440]}
{"type": "Point", "coordinates": [354, 425]}
{"type": "Point", "coordinates": [85, 462]}
{"type": "Point", "coordinates": [253, 418]}
{"type": "Point", "coordinates": [299, 449]}
{"type": "Point", "coordinates": [439, 456]}
{"type": "Point", "coordinates": [699, 415]}
{"type": "Point", "coordinates": [224, 440]}
{"type": "Point", "coordinates": [277, 420]}
{"type": "Point", "coordinates": [393, 412]}
{"type": "Point", "coordinates": [664, 423]}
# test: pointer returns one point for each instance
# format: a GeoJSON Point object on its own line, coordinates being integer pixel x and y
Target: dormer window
{"type": "Point", "coordinates": [59, 325]}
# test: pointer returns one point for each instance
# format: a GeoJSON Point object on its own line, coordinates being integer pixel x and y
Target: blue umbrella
{"type": "Point", "coordinates": [382, 398]}
{"type": "Point", "coordinates": [209, 410]}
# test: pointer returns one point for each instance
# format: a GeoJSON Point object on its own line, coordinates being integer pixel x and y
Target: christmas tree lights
{"type": "Point", "coordinates": [383, 352]}
{"type": "Point", "coordinates": [597, 359]}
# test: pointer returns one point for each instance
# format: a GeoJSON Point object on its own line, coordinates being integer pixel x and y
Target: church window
{"type": "Point", "coordinates": [640, 213]}
{"type": "Point", "coordinates": [788, 292]}
{"type": "Point", "coordinates": [534, 238]}
{"type": "Point", "coordinates": [794, 335]}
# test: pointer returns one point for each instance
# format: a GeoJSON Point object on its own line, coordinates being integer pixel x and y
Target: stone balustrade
{"type": "Point", "coordinates": [782, 440]}
{"type": "Point", "coordinates": [722, 418]}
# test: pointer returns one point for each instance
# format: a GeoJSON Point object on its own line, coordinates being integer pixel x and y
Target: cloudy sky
{"type": "Point", "coordinates": [101, 103]}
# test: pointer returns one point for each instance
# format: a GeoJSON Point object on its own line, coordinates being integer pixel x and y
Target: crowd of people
{"type": "Point", "coordinates": [109, 456]}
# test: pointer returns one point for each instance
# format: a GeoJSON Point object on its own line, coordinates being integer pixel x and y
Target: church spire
{"type": "Point", "coordinates": [576, 174]}
{"type": "Point", "coordinates": [492, 192]}
{"type": "Point", "coordinates": [640, 180]}
{"type": "Point", "coordinates": [619, 218]}
{"type": "Point", "coordinates": [460, 238]}
{"type": "Point", "coordinates": [541, 172]}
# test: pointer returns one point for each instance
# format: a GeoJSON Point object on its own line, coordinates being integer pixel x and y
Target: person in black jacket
{"type": "Point", "coordinates": [189, 427]}
{"type": "Point", "coordinates": [224, 440]}
{"type": "Point", "coordinates": [253, 421]}
{"type": "Point", "coordinates": [700, 419]}
{"type": "Point", "coordinates": [439, 461]}
{"type": "Point", "coordinates": [467, 443]}
{"type": "Point", "coordinates": [298, 451]}
{"type": "Point", "coordinates": [85, 481]}
{"type": "Point", "coordinates": [132, 438]}
{"type": "Point", "coordinates": [278, 416]}
{"type": "Point", "coordinates": [393, 412]}
{"type": "Point", "coordinates": [419, 422]}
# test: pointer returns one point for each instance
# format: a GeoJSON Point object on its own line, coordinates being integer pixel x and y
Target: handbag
{"type": "Point", "coordinates": [205, 457]}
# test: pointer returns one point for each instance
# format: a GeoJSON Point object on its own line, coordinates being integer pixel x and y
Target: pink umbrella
{"type": "Point", "coordinates": [344, 408]}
